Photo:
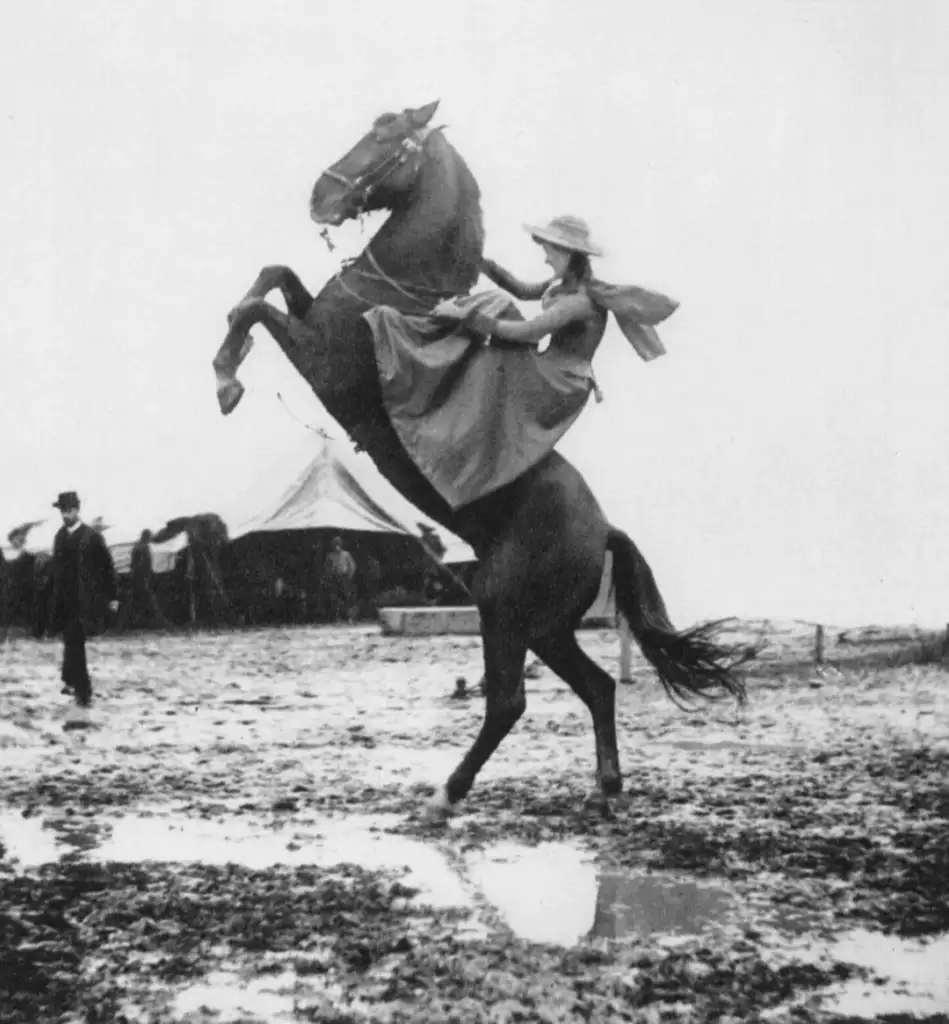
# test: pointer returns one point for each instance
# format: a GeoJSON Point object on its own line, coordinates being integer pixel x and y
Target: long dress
{"type": "Point", "coordinates": [475, 417]}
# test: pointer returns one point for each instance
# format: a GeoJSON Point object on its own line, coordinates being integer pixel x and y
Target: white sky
{"type": "Point", "coordinates": [781, 168]}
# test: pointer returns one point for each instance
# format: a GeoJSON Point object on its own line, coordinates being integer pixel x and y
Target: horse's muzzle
{"type": "Point", "coordinates": [332, 217]}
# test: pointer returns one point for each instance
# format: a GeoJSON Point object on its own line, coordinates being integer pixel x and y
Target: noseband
{"type": "Point", "coordinates": [360, 189]}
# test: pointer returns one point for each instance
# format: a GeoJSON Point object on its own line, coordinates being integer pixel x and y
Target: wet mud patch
{"type": "Point", "coordinates": [122, 942]}
{"type": "Point", "coordinates": [86, 936]}
{"type": "Point", "coordinates": [751, 872]}
{"type": "Point", "coordinates": [868, 839]}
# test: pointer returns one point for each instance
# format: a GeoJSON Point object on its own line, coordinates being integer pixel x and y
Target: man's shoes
{"type": "Point", "coordinates": [78, 718]}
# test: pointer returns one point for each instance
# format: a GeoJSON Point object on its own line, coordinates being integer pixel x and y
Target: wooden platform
{"type": "Point", "coordinates": [430, 621]}
{"type": "Point", "coordinates": [465, 621]}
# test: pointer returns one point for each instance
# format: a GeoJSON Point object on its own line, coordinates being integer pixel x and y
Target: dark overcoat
{"type": "Point", "coordinates": [97, 580]}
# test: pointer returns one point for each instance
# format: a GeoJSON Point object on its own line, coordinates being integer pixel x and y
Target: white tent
{"type": "Point", "coordinates": [322, 484]}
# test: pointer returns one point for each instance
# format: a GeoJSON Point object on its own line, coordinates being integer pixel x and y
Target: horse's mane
{"type": "Point", "coordinates": [466, 240]}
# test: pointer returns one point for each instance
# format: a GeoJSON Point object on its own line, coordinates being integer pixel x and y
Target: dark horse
{"type": "Point", "coordinates": [541, 541]}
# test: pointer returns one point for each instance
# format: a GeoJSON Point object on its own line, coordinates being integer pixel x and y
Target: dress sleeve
{"type": "Point", "coordinates": [511, 284]}
{"type": "Point", "coordinates": [573, 307]}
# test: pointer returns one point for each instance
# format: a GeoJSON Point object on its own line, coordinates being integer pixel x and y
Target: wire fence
{"type": "Point", "coordinates": [788, 645]}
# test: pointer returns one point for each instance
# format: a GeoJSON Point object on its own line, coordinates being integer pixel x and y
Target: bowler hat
{"type": "Point", "coordinates": [567, 232]}
{"type": "Point", "coordinates": [66, 500]}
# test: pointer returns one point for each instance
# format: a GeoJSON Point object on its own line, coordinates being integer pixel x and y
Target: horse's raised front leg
{"type": "Point", "coordinates": [238, 343]}
{"type": "Point", "coordinates": [505, 648]}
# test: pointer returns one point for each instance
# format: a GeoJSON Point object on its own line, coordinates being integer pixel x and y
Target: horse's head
{"type": "Point", "coordinates": [382, 164]}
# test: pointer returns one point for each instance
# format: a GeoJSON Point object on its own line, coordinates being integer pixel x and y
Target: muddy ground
{"type": "Point", "coordinates": [242, 838]}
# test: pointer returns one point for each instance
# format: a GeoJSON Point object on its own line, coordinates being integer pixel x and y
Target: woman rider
{"type": "Point", "coordinates": [474, 417]}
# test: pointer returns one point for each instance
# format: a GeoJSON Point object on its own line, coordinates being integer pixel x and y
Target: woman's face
{"type": "Point", "coordinates": [556, 258]}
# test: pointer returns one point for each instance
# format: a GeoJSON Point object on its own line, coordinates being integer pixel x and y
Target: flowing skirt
{"type": "Point", "coordinates": [473, 417]}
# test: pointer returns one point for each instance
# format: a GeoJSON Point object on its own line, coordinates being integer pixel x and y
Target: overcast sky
{"type": "Point", "coordinates": [780, 168]}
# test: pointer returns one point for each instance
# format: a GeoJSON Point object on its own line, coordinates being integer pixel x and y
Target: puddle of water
{"type": "Point", "coordinates": [223, 997]}
{"type": "Point", "coordinates": [916, 973]}
{"type": "Point", "coordinates": [551, 893]}
{"type": "Point", "coordinates": [546, 893]}
{"type": "Point", "coordinates": [354, 840]}
{"type": "Point", "coordinates": [554, 893]}
{"type": "Point", "coordinates": [27, 843]}
{"type": "Point", "coordinates": [658, 904]}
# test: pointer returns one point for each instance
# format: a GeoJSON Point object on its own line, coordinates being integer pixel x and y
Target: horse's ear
{"type": "Point", "coordinates": [423, 115]}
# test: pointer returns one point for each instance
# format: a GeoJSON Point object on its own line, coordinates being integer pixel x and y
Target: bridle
{"type": "Point", "coordinates": [359, 190]}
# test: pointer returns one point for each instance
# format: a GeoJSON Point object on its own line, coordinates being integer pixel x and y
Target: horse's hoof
{"type": "Point", "coordinates": [597, 803]}
{"type": "Point", "coordinates": [619, 801]}
{"type": "Point", "coordinates": [440, 808]}
{"type": "Point", "coordinates": [611, 785]}
{"type": "Point", "coordinates": [229, 395]}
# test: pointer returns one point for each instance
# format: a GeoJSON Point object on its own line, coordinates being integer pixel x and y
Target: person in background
{"type": "Point", "coordinates": [83, 576]}
{"type": "Point", "coordinates": [373, 578]}
{"type": "Point", "coordinates": [41, 594]}
{"type": "Point", "coordinates": [339, 572]}
{"type": "Point", "coordinates": [4, 589]}
{"type": "Point", "coordinates": [142, 609]}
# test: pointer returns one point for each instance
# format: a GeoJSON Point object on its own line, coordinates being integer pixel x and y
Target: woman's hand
{"type": "Point", "coordinates": [448, 309]}
{"type": "Point", "coordinates": [471, 318]}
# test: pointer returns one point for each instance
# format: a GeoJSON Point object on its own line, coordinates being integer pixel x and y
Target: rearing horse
{"type": "Point", "coordinates": [542, 540]}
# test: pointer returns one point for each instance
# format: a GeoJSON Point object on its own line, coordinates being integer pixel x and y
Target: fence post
{"type": "Point", "coordinates": [819, 645]}
{"type": "Point", "coordinates": [625, 650]}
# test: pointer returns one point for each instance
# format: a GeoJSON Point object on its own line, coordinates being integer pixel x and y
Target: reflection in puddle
{"type": "Point", "coordinates": [916, 973]}
{"type": "Point", "coordinates": [657, 904]}
{"type": "Point", "coordinates": [554, 893]}
{"type": "Point", "coordinates": [546, 893]}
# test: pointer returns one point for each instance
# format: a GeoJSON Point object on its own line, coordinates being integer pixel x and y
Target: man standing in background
{"type": "Point", "coordinates": [4, 590]}
{"type": "Point", "coordinates": [339, 573]}
{"type": "Point", "coordinates": [83, 576]}
{"type": "Point", "coordinates": [142, 609]}
{"type": "Point", "coordinates": [373, 578]}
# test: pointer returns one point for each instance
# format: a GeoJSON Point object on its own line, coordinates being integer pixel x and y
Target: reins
{"type": "Point", "coordinates": [378, 274]}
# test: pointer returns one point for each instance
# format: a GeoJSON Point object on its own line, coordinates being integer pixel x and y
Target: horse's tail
{"type": "Point", "coordinates": [689, 664]}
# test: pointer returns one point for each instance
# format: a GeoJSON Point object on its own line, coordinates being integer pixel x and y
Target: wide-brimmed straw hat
{"type": "Point", "coordinates": [567, 232]}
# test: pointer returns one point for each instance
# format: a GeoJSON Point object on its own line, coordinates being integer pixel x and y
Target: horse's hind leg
{"type": "Point", "coordinates": [597, 690]}
{"type": "Point", "coordinates": [505, 649]}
